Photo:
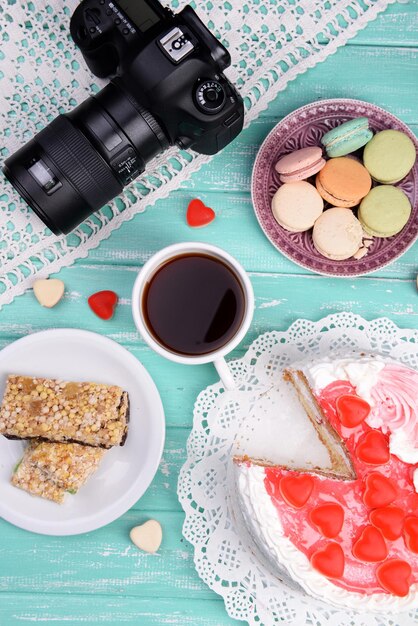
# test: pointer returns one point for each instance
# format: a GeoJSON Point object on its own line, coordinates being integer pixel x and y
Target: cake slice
{"type": "Point", "coordinates": [341, 464]}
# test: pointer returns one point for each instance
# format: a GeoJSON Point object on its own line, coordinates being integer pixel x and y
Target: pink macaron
{"type": "Point", "coordinates": [300, 164]}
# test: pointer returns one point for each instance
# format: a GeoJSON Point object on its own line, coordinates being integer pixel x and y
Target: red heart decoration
{"type": "Point", "coordinates": [330, 561]}
{"type": "Point", "coordinates": [373, 448]}
{"type": "Point", "coordinates": [410, 533]}
{"type": "Point", "coordinates": [328, 518]}
{"type": "Point", "coordinates": [352, 410]}
{"type": "Point", "coordinates": [379, 491]}
{"type": "Point", "coordinates": [198, 214]}
{"type": "Point", "coordinates": [370, 546]}
{"type": "Point", "coordinates": [103, 304]}
{"type": "Point", "coordinates": [389, 520]}
{"type": "Point", "coordinates": [394, 575]}
{"type": "Point", "coordinates": [296, 490]}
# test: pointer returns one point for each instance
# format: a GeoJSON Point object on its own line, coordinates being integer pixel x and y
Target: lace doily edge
{"type": "Point", "coordinates": [216, 388]}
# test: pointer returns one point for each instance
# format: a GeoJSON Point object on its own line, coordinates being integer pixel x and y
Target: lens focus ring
{"type": "Point", "coordinates": [79, 162]}
{"type": "Point", "coordinates": [145, 114]}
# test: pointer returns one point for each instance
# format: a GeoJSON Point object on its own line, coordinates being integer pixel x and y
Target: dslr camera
{"type": "Point", "coordinates": [167, 87]}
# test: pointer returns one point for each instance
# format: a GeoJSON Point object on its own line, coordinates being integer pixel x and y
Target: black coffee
{"type": "Point", "coordinates": [193, 304]}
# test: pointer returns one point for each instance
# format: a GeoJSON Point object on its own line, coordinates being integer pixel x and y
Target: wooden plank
{"type": "Point", "coordinates": [101, 562]}
{"type": "Point", "coordinates": [288, 297]}
{"type": "Point", "coordinates": [396, 26]}
{"type": "Point", "coordinates": [165, 224]}
{"type": "Point", "coordinates": [100, 577]}
{"type": "Point", "coordinates": [115, 609]}
{"type": "Point", "coordinates": [339, 77]}
{"type": "Point", "coordinates": [162, 493]}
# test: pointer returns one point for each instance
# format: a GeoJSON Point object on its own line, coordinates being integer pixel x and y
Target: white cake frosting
{"type": "Point", "coordinates": [262, 519]}
{"type": "Point", "coordinates": [362, 373]}
{"type": "Point", "coordinates": [400, 445]}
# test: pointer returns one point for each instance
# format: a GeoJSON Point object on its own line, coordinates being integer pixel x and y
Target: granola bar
{"type": "Point", "coordinates": [53, 410]}
{"type": "Point", "coordinates": [49, 470]}
{"type": "Point", "coordinates": [67, 464]}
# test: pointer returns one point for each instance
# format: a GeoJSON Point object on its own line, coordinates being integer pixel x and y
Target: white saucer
{"type": "Point", "coordinates": [125, 472]}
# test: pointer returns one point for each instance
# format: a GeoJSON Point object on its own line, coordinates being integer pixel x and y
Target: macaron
{"type": "Point", "coordinates": [296, 206]}
{"type": "Point", "coordinates": [337, 234]}
{"type": "Point", "coordinates": [300, 164]}
{"type": "Point", "coordinates": [347, 137]}
{"type": "Point", "coordinates": [343, 182]}
{"type": "Point", "coordinates": [389, 156]}
{"type": "Point", "coordinates": [384, 211]}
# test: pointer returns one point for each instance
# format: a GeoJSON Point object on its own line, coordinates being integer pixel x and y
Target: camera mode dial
{"type": "Point", "coordinates": [210, 96]}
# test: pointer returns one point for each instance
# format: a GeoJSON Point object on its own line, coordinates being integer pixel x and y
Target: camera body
{"type": "Point", "coordinates": [167, 88]}
{"type": "Point", "coordinates": [171, 64]}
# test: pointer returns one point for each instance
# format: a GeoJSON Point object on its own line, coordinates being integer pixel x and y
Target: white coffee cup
{"type": "Point", "coordinates": [215, 357]}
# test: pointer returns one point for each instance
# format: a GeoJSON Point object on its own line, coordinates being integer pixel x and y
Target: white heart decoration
{"type": "Point", "coordinates": [148, 536]}
{"type": "Point", "coordinates": [48, 291]}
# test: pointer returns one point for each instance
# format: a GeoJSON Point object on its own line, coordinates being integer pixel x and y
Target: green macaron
{"type": "Point", "coordinates": [389, 156]}
{"type": "Point", "coordinates": [384, 211]}
{"type": "Point", "coordinates": [347, 137]}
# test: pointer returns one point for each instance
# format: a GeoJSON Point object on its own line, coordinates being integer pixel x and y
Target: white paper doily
{"type": "Point", "coordinates": [222, 554]}
{"type": "Point", "coordinates": [43, 74]}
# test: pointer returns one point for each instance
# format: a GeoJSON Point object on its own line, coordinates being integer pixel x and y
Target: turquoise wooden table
{"type": "Point", "coordinates": [101, 577]}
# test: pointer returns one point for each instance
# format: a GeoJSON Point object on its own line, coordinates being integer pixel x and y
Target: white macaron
{"type": "Point", "coordinates": [296, 206]}
{"type": "Point", "coordinates": [337, 234]}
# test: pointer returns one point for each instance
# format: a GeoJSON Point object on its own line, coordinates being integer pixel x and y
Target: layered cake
{"type": "Point", "coordinates": [348, 532]}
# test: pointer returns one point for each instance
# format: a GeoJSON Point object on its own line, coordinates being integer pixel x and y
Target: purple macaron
{"type": "Point", "coordinates": [300, 164]}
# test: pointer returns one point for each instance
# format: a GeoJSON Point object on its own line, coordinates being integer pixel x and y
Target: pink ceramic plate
{"type": "Point", "coordinates": [305, 127]}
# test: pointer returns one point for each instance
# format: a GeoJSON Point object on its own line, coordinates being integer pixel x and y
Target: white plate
{"type": "Point", "coordinates": [125, 472]}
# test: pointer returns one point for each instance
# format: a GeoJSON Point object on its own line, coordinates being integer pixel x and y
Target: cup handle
{"type": "Point", "coordinates": [225, 373]}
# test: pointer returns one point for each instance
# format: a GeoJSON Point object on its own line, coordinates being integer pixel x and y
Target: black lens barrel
{"type": "Point", "coordinates": [138, 124]}
{"type": "Point", "coordinates": [93, 152]}
{"type": "Point", "coordinates": [86, 181]}
{"type": "Point", "coordinates": [74, 155]}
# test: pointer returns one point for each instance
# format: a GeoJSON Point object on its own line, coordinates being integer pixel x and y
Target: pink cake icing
{"type": "Point", "coordinates": [395, 400]}
{"type": "Point", "coordinates": [358, 575]}
{"type": "Point", "coordinates": [361, 535]}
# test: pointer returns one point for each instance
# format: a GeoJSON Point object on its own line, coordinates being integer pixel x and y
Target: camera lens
{"type": "Point", "coordinates": [210, 96]}
{"type": "Point", "coordinates": [82, 160]}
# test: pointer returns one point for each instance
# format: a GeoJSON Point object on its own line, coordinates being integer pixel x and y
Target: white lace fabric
{"type": "Point", "coordinates": [43, 74]}
{"type": "Point", "coordinates": [224, 555]}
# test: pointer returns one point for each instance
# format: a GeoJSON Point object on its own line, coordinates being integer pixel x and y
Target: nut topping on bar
{"type": "Point", "coordinates": [49, 470]}
{"type": "Point", "coordinates": [34, 481]}
{"type": "Point", "coordinates": [88, 413]}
